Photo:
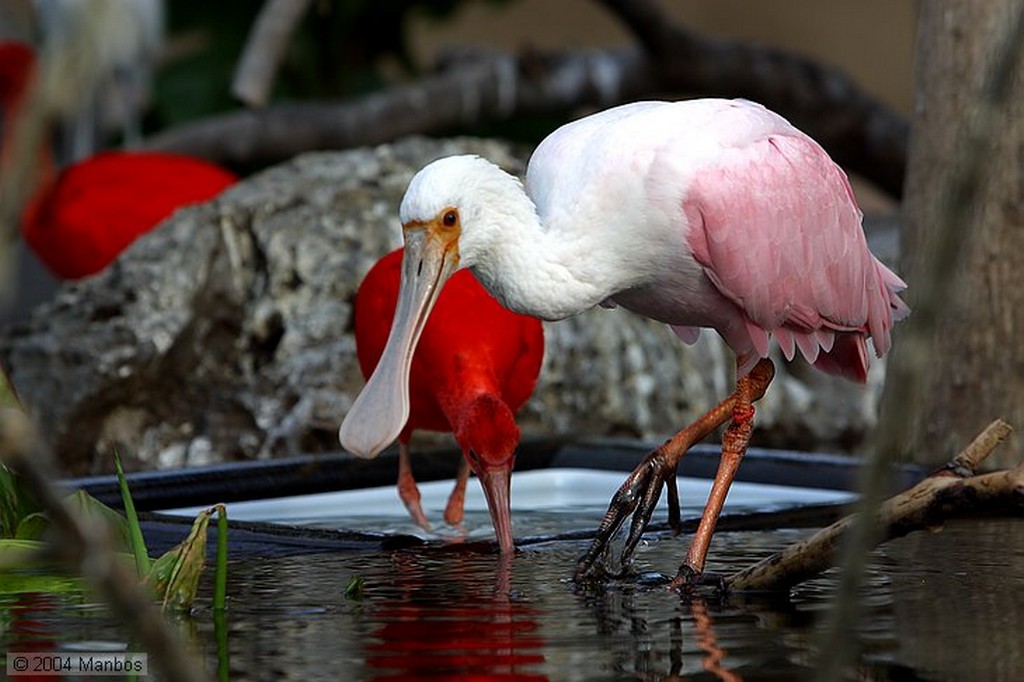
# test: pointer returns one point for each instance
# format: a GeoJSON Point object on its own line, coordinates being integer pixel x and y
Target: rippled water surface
{"type": "Point", "coordinates": [946, 606]}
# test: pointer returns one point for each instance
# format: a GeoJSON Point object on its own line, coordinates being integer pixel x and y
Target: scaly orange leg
{"type": "Point", "coordinates": [734, 446]}
{"type": "Point", "coordinates": [457, 500]}
{"type": "Point", "coordinates": [407, 489]}
{"type": "Point", "coordinates": [640, 492]}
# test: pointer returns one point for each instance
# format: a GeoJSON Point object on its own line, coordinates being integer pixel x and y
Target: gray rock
{"type": "Point", "coordinates": [226, 334]}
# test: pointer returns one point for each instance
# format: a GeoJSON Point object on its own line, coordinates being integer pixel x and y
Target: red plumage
{"type": "Point", "coordinates": [475, 365]}
{"type": "Point", "coordinates": [81, 218]}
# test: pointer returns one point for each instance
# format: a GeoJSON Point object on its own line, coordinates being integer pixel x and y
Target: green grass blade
{"type": "Point", "coordinates": [220, 590]}
{"type": "Point", "coordinates": [220, 630]}
{"type": "Point", "coordinates": [220, 584]}
{"type": "Point", "coordinates": [138, 542]}
{"type": "Point", "coordinates": [10, 514]}
{"type": "Point", "coordinates": [15, 501]}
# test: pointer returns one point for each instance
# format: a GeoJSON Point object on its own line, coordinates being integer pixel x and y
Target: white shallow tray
{"type": "Point", "coordinates": [579, 492]}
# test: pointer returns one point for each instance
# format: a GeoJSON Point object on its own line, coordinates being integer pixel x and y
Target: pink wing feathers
{"type": "Point", "coordinates": [777, 230]}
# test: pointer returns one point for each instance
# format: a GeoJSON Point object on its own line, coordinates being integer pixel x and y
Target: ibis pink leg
{"type": "Point", "coordinates": [640, 492]}
{"type": "Point", "coordinates": [407, 489]}
{"type": "Point", "coordinates": [457, 500]}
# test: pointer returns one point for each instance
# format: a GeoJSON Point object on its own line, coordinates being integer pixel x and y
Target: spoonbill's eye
{"type": "Point", "coordinates": [450, 218]}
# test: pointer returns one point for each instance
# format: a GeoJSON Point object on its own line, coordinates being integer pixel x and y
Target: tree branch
{"type": "Point", "coordinates": [951, 492]}
{"type": "Point", "coordinates": [861, 133]}
{"type": "Point", "coordinates": [479, 87]}
{"type": "Point", "coordinates": [266, 45]}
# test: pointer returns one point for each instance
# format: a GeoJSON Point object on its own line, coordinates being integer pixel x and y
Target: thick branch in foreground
{"type": "Point", "coordinates": [861, 133]}
{"type": "Point", "coordinates": [951, 492]}
{"type": "Point", "coordinates": [84, 547]}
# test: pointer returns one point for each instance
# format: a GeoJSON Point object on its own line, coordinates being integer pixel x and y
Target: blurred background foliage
{"type": "Point", "coordinates": [342, 49]}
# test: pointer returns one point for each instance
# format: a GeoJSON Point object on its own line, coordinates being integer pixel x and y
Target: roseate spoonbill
{"type": "Point", "coordinates": [80, 219]}
{"type": "Point", "coordinates": [476, 363]}
{"type": "Point", "coordinates": [704, 213]}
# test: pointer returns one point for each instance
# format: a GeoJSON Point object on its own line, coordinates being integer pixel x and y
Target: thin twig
{"type": "Point", "coordinates": [264, 49]}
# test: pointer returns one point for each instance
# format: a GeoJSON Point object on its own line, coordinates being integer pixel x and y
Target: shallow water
{"type": "Point", "coordinates": [946, 606]}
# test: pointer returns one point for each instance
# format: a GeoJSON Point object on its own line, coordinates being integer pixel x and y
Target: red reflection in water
{"type": "Point", "coordinates": [31, 632]}
{"type": "Point", "coordinates": [454, 626]}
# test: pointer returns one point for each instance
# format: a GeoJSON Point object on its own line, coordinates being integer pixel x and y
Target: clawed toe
{"type": "Point", "coordinates": [637, 496]}
{"type": "Point", "coordinates": [688, 578]}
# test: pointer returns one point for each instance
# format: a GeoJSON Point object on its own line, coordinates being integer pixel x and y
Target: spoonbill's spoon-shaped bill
{"type": "Point", "coordinates": [381, 409]}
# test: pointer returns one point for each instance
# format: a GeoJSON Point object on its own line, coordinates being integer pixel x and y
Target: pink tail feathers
{"type": "Point", "coordinates": [848, 356]}
{"type": "Point", "coordinates": [842, 351]}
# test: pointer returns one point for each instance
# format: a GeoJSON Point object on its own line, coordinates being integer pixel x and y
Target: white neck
{"type": "Point", "coordinates": [550, 263]}
{"type": "Point", "coordinates": [532, 267]}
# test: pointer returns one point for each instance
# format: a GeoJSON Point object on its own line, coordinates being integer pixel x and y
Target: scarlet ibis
{"type": "Point", "coordinates": [80, 219]}
{"type": "Point", "coordinates": [475, 365]}
{"type": "Point", "coordinates": [706, 213]}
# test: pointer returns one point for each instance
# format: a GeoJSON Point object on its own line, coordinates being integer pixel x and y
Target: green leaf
{"type": "Point", "coordinates": [354, 588]}
{"type": "Point", "coordinates": [175, 575]}
{"type": "Point", "coordinates": [85, 505]}
{"type": "Point", "coordinates": [16, 502]}
{"type": "Point", "coordinates": [32, 527]}
{"type": "Point", "coordinates": [23, 583]}
{"type": "Point", "coordinates": [19, 554]}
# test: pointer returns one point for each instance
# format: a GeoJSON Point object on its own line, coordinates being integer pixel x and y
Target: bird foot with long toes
{"type": "Point", "coordinates": [639, 494]}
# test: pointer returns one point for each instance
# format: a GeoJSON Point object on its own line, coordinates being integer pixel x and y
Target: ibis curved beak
{"type": "Point", "coordinates": [381, 410]}
{"type": "Point", "coordinates": [496, 484]}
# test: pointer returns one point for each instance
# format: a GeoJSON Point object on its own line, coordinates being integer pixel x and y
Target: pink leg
{"type": "Point", "coordinates": [457, 500]}
{"type": "Point", "coordinates": [407, 490]}
{"type": "Point", "coordinates": [734, 446]}
{"type": "Point", "coordinates": [640, 492]}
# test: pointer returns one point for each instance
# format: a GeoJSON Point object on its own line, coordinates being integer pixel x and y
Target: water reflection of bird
{"type": "Point", "coordinates": [703, 213]}
{"type": "Point", "coordinates": [81, 218]}
{"type": "Point", "coordinates": [475, 365]}
{"type": "Point", "coordinates": [451, 616]}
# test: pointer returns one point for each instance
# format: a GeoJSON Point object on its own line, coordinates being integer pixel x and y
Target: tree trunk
{"type": "Point", "coordinates": [963, 355]}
